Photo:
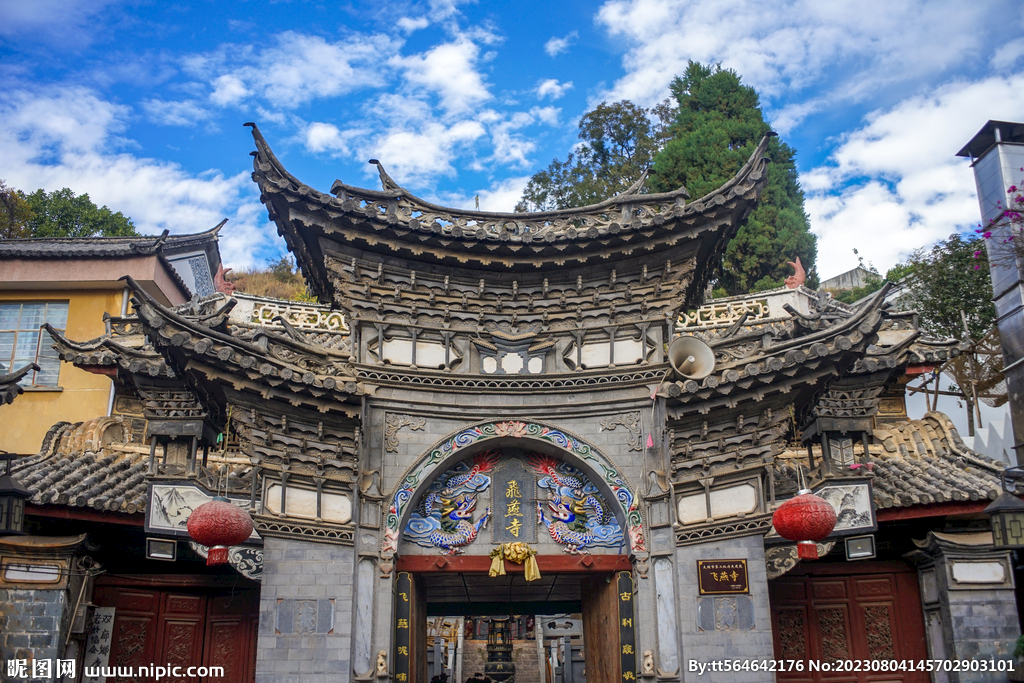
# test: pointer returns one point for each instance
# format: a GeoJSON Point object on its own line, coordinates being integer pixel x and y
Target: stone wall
{"type": "Point", "coordinates": [305, 633]}
{"type": "Point", "coordinates": [970, 610]}
{"type": "Point", "coordinates": [30, 625]}
{"type": "Point", "coordinates": [716, 628]}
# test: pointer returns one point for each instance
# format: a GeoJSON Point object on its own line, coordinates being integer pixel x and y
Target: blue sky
{"type": "Point", "coordinates": [141, 104]}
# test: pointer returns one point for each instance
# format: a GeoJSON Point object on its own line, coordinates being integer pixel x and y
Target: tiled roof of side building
{"type": "Point", "coordinates": [94, 247]}
{"type": "Point", "coordinates": [915, 462]}
{"type": "Point", "coordinates": [80, 466]}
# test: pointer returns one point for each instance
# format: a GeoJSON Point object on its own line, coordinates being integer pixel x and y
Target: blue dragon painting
{"type": "Point", "coordinates": [444, 518]}
{"type": "Point", "coordinates": [579, 517]}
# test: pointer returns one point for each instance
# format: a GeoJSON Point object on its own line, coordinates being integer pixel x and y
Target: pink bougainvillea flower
{"type": "Point", "coordinates": [987, 235]}
{"type": "Point", "coordinates": [976, 267]}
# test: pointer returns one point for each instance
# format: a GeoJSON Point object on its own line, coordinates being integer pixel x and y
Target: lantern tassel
{"type": "Point", "coordinates": [218, 554]}
{"type": "Point", "coordinates": [807, 550]}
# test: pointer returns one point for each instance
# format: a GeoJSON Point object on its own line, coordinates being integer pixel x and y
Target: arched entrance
{"type": "Point", "coordinates": [577, 512]}
{"type": "Point", "coordinates": [523, 434]}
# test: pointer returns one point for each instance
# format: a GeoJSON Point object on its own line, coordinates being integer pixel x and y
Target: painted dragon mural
{"type": "Point", "coordinates": [485, 431]}
{"type": "Point", "coordinates": [444, 518]}
{"type": "Point", "coordinates": [579, 517]}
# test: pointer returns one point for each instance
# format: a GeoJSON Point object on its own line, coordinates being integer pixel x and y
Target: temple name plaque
{"type": "Point", "coordinates": [722, 577]}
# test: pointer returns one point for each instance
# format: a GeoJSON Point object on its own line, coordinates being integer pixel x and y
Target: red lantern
{"type": "Point", "coordinates": [805, 519]}
{"type": "Point", "coordinates": [219, 524]}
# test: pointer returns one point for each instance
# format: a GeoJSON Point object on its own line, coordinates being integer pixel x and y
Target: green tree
{"type": "Point", "coordinates": [14, 213]}
{"type": "Point", "coordinates": [62, 213]}
{"type": "Point", "coordinates": [945, 280]}
{"type": "Point", "coordinates": [717, 127]}
{"type": "Point", "coordinates": [619, 141]}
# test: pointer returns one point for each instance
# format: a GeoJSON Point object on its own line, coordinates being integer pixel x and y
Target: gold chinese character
{"type": "Point", "coordinates": [403, 623]}
{"type": "Point", "coordinates": [714, 575]}
{"type": "Point", "coordinates": [403, 650]}
{"type": "Point", "coordinates": [627, 649]}
{"type": "Point", "coordinates": [628, 676]}
{"type": "Point", "coordinates": [626, 597]}
{"type": "Point", "coordinates": [628, 623]}
{"type": "Point", "coordinates": [404, 596]}
{"type": "Point", "coordinates": [735, 576]}
{"type": "Point", "coordinates": [401, 677]}
{"type": "Point", "coordinates": [513, 490]}
{"type": "Point", "coordinates": [512, 509]}
{"type": "Point", "coordinates": [514, 527]}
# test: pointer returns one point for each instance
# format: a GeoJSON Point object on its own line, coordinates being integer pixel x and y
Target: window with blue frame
{"type": "Point", "coordinates": [22, 341]}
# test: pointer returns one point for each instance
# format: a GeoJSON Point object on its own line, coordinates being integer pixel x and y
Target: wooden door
{"type": "Point", "coordinates": [828, 615]}
{"type": "Point", "coordinates": [601, 628]}
{"type": "Point", "coordinates": [232, 625]}
{"type": "Point", "coordinates": [186, 628]}
{"type": "Point", "coordinates": [180, 632]}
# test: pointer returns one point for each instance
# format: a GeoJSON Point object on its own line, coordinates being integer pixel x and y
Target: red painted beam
{"type": "Point", "coordinates": [546, 563]}
{"type": "Point", "coordinates": [936, 510]}
{"type": "Point", "coordinates": [85, 515]}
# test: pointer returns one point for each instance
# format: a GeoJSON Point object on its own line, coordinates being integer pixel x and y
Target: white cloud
{"type": "Point", "coordinates": [228, 89]}
{"type": "Point", "coordinates": [297, 69]}
{"type": "Point", "coordinates": [326, 137]}
{"type": "Point", "coordinates": [54, 21]}
{"type": "Point", "coordinates": [894, 185]}
{"type": "Point", "coordinates": [70, 138]}
{"type": "Point", "coordinates": [548, 115]}
{"type": "Point", "coordinates": [555, 45]}
{"type": "Point", "coordinates": [408, 24]}
{"type": "Point", "coordinates": [448, 70]}
{"type": "Point", "coordinates": [1009, 54]}
{"type": "Point", "coordinates": [552, 88]}
{"type": "Point", "coordinates": [184, 113]}
{"type": "Point", "coordinates": [500, 197]}
{"type": "Point", "coordinates": [846, 48]}
{"type": "Point", "coordinates": [419, 154]}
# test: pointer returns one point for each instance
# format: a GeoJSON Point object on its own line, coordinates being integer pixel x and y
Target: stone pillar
{"type": "Point", "coordinates": [725, 627]}
{"type": "Point", "coordinates": [306, 612]}
{"type": "Point", "coordinates": [967, 593]}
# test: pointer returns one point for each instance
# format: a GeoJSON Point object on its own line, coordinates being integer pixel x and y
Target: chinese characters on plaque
{"type": "Point", "coordinates": [627, 637]}
{"type": "Point", "coordinates": [718, 577]}
{"type": "Point", "coordinates": [97, 642]}
{"type": "Point", "coordinates": [515, 513]}
{"type": "Point", "coordinates": [403, 613]}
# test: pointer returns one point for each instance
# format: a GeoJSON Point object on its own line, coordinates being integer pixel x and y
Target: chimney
{"type": "Point", "coordinates": [997, 156]}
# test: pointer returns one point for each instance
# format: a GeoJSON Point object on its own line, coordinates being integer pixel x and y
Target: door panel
{"type": "Point", "coordinates": [187, 629]}
{"type": "Point", "coordinates": [601, 629]}
{"type": "Point", "coordinates": [832, 616]}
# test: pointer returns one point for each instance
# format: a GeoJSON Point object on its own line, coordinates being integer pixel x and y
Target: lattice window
{"type": "Point", "coordinates": [22, 341]}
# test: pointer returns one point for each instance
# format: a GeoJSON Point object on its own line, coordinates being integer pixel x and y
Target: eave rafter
{"type": "Point", "coordinates": [780, 366]}
{"type": "Point", "coordinates": [393, 221]}
{"type": "Point", "coordinates": [272, 364]}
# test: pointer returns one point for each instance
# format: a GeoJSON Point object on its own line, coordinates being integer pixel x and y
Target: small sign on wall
{"type": "Point", "coordinates": [722, 577]}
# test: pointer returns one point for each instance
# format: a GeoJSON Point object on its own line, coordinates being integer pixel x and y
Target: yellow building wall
{"type": "Point", "coordinates": [85, 395]}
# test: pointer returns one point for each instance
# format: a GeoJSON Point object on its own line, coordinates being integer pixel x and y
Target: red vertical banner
{"type": "Point", "coordinates": [403, 612]}
{"type": "Point", "coordinates": [627, 634]}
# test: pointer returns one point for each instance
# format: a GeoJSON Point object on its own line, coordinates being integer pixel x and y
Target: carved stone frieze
{"type": "Point", "coordinates": [394, 422]}
{"type": "Point", "coordinates": [245, 560]}
{"type": "Point", "coordinates": [780, 559]}
{"type": "Point", "coordinates": [268, 526]}
{"type": "Point", "coordinates": [631, 422]}
{"type": "Point", "coordinates": [691, 535]}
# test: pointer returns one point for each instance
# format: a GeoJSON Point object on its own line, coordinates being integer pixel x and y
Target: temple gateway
{"type": "Point", "coordinates": [515, 445]}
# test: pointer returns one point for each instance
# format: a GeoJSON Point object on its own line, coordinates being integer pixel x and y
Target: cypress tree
{"type": "Point", "coordinates": [718, 125]}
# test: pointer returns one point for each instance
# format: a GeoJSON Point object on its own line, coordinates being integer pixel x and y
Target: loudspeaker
{"type": "Point", "coordinates": [691, 358]}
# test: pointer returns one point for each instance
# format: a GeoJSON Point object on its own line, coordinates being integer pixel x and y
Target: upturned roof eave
{"type": "Point", "coordinates": [708, 221]}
